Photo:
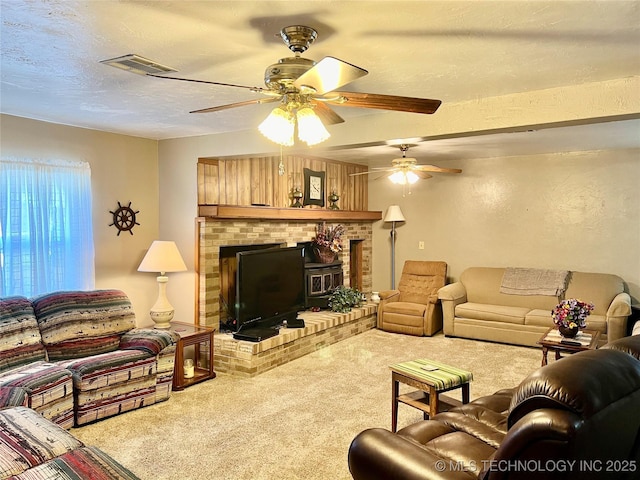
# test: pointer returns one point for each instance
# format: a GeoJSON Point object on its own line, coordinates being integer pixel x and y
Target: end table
{"type": "Point", "coordinates": [198, 337]}
{"type": "Point", "coordinates": [552, 340]}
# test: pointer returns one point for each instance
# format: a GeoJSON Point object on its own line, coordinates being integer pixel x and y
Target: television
{"type": "Point", "coordinates": [269, 287]}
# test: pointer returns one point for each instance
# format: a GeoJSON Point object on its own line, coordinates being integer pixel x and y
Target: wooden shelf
{"type": "Point", "coordinates": [275, 213]}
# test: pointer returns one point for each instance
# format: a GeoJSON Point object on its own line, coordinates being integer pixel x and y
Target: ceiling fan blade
{"type": "Point", "coordinates": [326, 114]}
{"type": "Point", "coordinates": [422, 175]}
{"type": "Point", "coordinates": [386, 102]}
{"type": "Point", "coordinates": [374, 170]}
{"type": "Point", "coordinates": [434, 168]}
{"type": "Point", "coordinates": [253, 89]}
{"type": "Point", "coordinates": [328, 74]}
{"type": "Point", "coordinates": [234, 105]}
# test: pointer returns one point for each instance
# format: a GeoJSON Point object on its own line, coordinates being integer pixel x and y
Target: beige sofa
{"type": "Point", "coordinates": [474, 307]}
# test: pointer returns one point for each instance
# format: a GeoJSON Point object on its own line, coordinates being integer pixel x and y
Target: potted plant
{"type": "Point", "coordinates": [571, 315]}
{"type": "Point", "coordinates": [343, 299]}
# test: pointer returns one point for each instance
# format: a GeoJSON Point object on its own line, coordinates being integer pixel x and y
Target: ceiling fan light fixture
{"type": "Point", "coordinates": [404, 178]}
{"type": "Point", "coordinates": [310, 128]}
{"type": "Point", "coordinates": [279, 127]}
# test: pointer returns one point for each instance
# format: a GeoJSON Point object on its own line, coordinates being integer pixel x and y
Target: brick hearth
{"type": "Point", "coordinates": [247, 359]}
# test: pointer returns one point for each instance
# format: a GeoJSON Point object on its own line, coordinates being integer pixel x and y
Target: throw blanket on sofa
{"type": "Point", "coordinates": [533, 281]}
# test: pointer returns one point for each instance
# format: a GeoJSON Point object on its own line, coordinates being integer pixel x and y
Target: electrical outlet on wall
{"type": "Point", "coordinates": [421, 245]}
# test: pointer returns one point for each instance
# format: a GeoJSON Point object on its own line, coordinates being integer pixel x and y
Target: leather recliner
{"type": "Point", "coordinates": [575, 418]}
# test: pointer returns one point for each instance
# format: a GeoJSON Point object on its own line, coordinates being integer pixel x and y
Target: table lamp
{"type": "Point", "coordinates": [393, 215]}
{"type": "Point", "coordinates": [162, 257]}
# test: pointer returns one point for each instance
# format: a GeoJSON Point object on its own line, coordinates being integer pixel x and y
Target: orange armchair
{"type": "Point", "coordinates": [413, 308]}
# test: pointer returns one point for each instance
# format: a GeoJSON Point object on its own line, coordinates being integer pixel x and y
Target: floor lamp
{"type": "Point", "coordinates": [393, 215]}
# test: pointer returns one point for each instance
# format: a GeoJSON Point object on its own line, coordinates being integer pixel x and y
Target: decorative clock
{"type": "Point", "coordinates": [313, 187]}
{"type": "Point", "coordinates": [124, 218]}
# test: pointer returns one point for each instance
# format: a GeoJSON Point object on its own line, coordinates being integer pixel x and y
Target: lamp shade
{"type": "Point", "coordinates": [394, 214]}
{"type": "Point", "coordinates": [162, 257]}
{"type": "Point", "coordinates": [279, 126]}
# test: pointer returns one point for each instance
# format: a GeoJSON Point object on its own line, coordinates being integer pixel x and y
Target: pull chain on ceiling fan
{"type": "Point", "coordinates": [304, 88]}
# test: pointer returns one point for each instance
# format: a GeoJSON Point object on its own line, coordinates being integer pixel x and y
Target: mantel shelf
{"type": "Point", "coordinates": [275, 213]}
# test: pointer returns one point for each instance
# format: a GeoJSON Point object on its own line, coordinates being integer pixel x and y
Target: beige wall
{"type": "Point", "coordinates": [123, 169]}
{"type": "Point", "coordinates": [497, 212]}
{"type": "Point", "coordinates": [493, 194]}
{"type": "Point", "coordinates": [575, 211]}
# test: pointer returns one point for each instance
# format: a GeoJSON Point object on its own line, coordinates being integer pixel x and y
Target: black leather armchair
{"type": "Point", "coordinates": [576, 418]}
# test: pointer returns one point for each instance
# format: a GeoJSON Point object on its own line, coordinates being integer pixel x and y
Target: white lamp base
{"type": "Point", "coordinates": [162, 311]}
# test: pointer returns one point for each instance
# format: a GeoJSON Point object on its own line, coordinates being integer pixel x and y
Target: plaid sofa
{"type": "Point", "coordinates": [76, 357]}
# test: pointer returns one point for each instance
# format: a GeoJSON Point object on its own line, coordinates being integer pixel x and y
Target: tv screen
{"type": "Point", "coordinates": [269, 286]}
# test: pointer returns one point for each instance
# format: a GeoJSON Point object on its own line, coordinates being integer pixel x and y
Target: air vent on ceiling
{"type": "Point", "coordinates": [137, 64]}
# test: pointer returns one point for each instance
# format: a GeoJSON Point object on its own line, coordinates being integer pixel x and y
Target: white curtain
{"type": "Point", "coordinates": [46, 231]}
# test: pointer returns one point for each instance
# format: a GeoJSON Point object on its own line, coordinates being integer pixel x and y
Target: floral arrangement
{"type": "Point", "coordinates": [329, 237]}
{"type": "Point", "coordinates": [571, 313]}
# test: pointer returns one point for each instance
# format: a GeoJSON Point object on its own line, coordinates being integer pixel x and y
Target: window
{"type": "Point", "coordinates": [46, 234]}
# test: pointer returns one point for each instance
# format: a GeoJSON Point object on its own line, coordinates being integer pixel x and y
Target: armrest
{"type": "Point", "coordinates": [450, 296]}
{"type": "Point", "coordinates": [386, 296]}
{"type": "Point", "coordinates": [617, 315]}
{"type": "Point", "coordinates": [453, 292]}
{"type": "Point", "coordinates": [377, 454]}
{"type": "Point", "coordinates": [148, 340]}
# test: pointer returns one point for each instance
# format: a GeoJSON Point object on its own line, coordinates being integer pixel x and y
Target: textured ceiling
{"type": "Point", "coordinates": [449, 50]}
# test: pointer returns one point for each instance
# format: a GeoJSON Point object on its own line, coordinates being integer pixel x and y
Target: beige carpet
{"type": "Point", "coordinates": [296, 421]}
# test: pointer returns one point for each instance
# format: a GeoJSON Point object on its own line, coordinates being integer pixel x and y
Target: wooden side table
{"type": "Point", "coordinates": [431, 378]}
{"type": "Point", "coordinates": [199, 337]}
{"type": "Point", "coordinates": [552, 340]}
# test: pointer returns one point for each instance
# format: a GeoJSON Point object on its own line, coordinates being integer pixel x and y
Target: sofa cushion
{"type": "Point", "coordinates": [406, 308]}
{"type": "Point", "coordinates": [21, 342]}
{"type": "Point", "coordinates": [26, 440]}
{"type": "Point", "coordinates": [495, 313]}
{"type": "Point", "coordinates": [83, 347]}
{"type": "Point", "coordinates": [539, 317]}
{"type": "Point", "coordinates": [76, 316]}
{"type": "Point", "coordinates": [482, 285]}
{"type": "Point", "coordinates": [83, 462]}
{"type": "Point", "coordinates": [110, 368]}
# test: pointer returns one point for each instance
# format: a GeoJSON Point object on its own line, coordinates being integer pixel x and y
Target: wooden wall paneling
{"type": "Point", "coordinates": [244, 182]}
{"type": "Point", "coordinates": [212, 195]}
{"type": "Point", "coordinates": [231, 181]}
{"type": "Point", "coordinates": [202, 178]}
{"type": "Point", "coordinates": [222, 183]}
{"type": "Point", "coordinates": [255, 180]}
{"type": "Point", "coordinates": [256, 187]}
{"type": "Point", "coordinates": [207, 181]}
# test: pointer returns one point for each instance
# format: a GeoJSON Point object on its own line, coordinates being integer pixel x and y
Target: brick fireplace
{"type": "Point", "coordinates": [241, 358]}
{"type": "Point", "coordinates": [214, 233]}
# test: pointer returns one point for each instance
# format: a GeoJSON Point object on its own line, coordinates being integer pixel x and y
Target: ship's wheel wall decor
{"type": "Point", "coordinates": [124, 218]}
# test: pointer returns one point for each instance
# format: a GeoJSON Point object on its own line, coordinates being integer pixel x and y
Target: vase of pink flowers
{"type": "Point", "coordinates": [570, 316]}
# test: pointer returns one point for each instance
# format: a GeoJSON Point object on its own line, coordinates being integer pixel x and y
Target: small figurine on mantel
{"type": "Point", "coordinates": [333, 198]}
{"type": "Point", "coordinates": [296, 197]}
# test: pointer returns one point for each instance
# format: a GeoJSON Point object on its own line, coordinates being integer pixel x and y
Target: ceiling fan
{"type": "Point", "coordinates": [303, 87]}
{"type": "Point", "coordinates": [406, 170]}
